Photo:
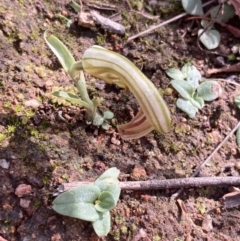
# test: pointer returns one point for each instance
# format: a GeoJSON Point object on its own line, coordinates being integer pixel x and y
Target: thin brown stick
{"type": "Point", "coordinates": [168, 183]}
{"type": "Point", "coordinates": [175, 195]}
{"type": "Point", "coordinates": [164, 23]}
{"type": "Point", "coordinates": [228, 81]}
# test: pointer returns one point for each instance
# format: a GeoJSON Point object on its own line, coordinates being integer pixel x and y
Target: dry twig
{"type": "Point", "coordinates": [164, 23]}
{"type": "Point", "coordinates": [168, 183]}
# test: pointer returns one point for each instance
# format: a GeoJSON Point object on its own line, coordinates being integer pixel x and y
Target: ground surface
{"type": "Point", "coordinates": [43, 151]}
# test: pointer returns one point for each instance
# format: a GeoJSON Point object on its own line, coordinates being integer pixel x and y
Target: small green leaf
{"type": "Point", "coordinates": [175, 74]}
{"type": "Point", "coordinates": [193, 7]}
{"type": "Point", "coordinates": [105, 126]}
{"type": "Point", "coordinates": [186, 69]}
{"type": "Point", "coordinates": [108, 115]}
{"type": "Point", "coordinates": [238, 136]}
{"type": "Point", "coordinates": [193, 78]}
{"type": "Point", "coordinates": [224, 15]}
{"type": "Point", "coordinates": [197, 101]}
{"type": "Point", "coordinates": [98, 120]}
{"type": "Point", "coordinates": [210, 38]}
{"type": "Point", "coordinates": [237, 101]}
{"type": "Point", "coordinates": [184, 88]}
{"type": "Point", "coordinates": [60, 50]}
{"type": "Point", "coordinates": [209, 90]}
{"type": "Point", "coordinates": [75, 6]}
{"type": "Point", "coordinates": [108, 181]}
{"type": "Point", "coordinates": [102, 225]}
{"type": "Point", "coordinates": [187, 107]}
{"type": "Point", "coordinates": [78, 203]}
{"type": "Point", "coordinates": [112, 172]}
{"type": "Point", "coordinates": [105, 202]}
{"type": "Point", "coordinates": [73, 99]}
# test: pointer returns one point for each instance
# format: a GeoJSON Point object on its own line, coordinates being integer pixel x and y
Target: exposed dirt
{"type": "Point", "coordinates": [43, 151]}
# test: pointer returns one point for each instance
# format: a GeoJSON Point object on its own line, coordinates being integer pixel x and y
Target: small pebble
{"type": "Point", "coordinates": [24, 203]}
{"type": "Point", "coordinates": [32, 103]}
{"type": "Point", "coordinates": [207, 223]}
{"type": "Point", "coordinates": [237, 166]}
{"type": "Point", "coordinates": [4, 164]}
{"type": "Point", "coordinates": [48, 83]}
{"type": "Point", "coordinates": [235, 49]}
{"type": "Point", "coordinates": [23, 189]}
{"type": "Point", "coordinates": [115, 141]}
{"type": "Point", "coordinates": [100, 86]}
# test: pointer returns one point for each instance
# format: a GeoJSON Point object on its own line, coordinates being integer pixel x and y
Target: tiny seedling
{"type": "Point", "coordinates": [211, 37]}
{"type": "Point", "coordinates": [92, 202]}
{"type": "Point", "coordinates": [193, 93]}
{"type": "Point", "coordinates": [74, 69]}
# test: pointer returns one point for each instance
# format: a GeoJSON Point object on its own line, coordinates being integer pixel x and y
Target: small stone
{"type": "Point", "coordinates": [32, 103]}
{"type": "Point", "coordinates": [237, 166]}
{"type": "Point", "coordinates": [100, 86]}
{"type": "Point", "coordinates": [235, 49]}
{"type": "Point", "coordinates": [56, 237]}
{"type": "Point", "coordinates": [85, 20]}
{"type": "Point", "coordinates": [138, 173]}
{"type": "Point", "coordinates": [115, 141]}
{"type": "Point", "coordinates": [23, 189]}
{"type": "Point", "coordinates": [48, 83]}
{"type": "Point", "coordinates": [24, 203]}
{"type": "Point", "coordinates": [4, 164]}
{"type": "Point", "coordinates": [207, 223]}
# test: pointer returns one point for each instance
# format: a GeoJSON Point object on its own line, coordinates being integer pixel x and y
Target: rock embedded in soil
{"type": "Point", "coordinates": [23, 189]}
{"type": "Point", "coordinates": [32, 103]}
{"type": "Point", "coordinates": [138, 173]}
{"type": "Point", "coordinates": [4, 164]}
{"type": "Point", "coordinates": [24, 203]}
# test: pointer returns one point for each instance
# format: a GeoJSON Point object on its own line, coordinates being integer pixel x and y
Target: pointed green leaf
{"type": "Point", "coordinates": [210, 38]}
{"type": "Point", "coordinates": [71, 98]}
{"type": "Point", "coordinates": [209, 90]}
{"type": "Point", "coordinates": [185, 89]}
{"type": "Point", "coordinates": [175, 74]}
{"type": "Point", "coordinates": [193, 7]}
{"type": "Point", "coordinates": [78, 203]}
{"type": "Point", "coordinates": [187, 107]}
{"type": "Point", "coordinates": [105, 202]}
{"type": "Point", "coordinates": [102, 225]}
{"type": "Point", "coordinates": [75, 6]}
{"type": "Point", "coordinates": [60, 50]}
{"type": "Point", "coordinates": [237, 101]}
{"type": "Point", "coordinates": [238, 136]}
